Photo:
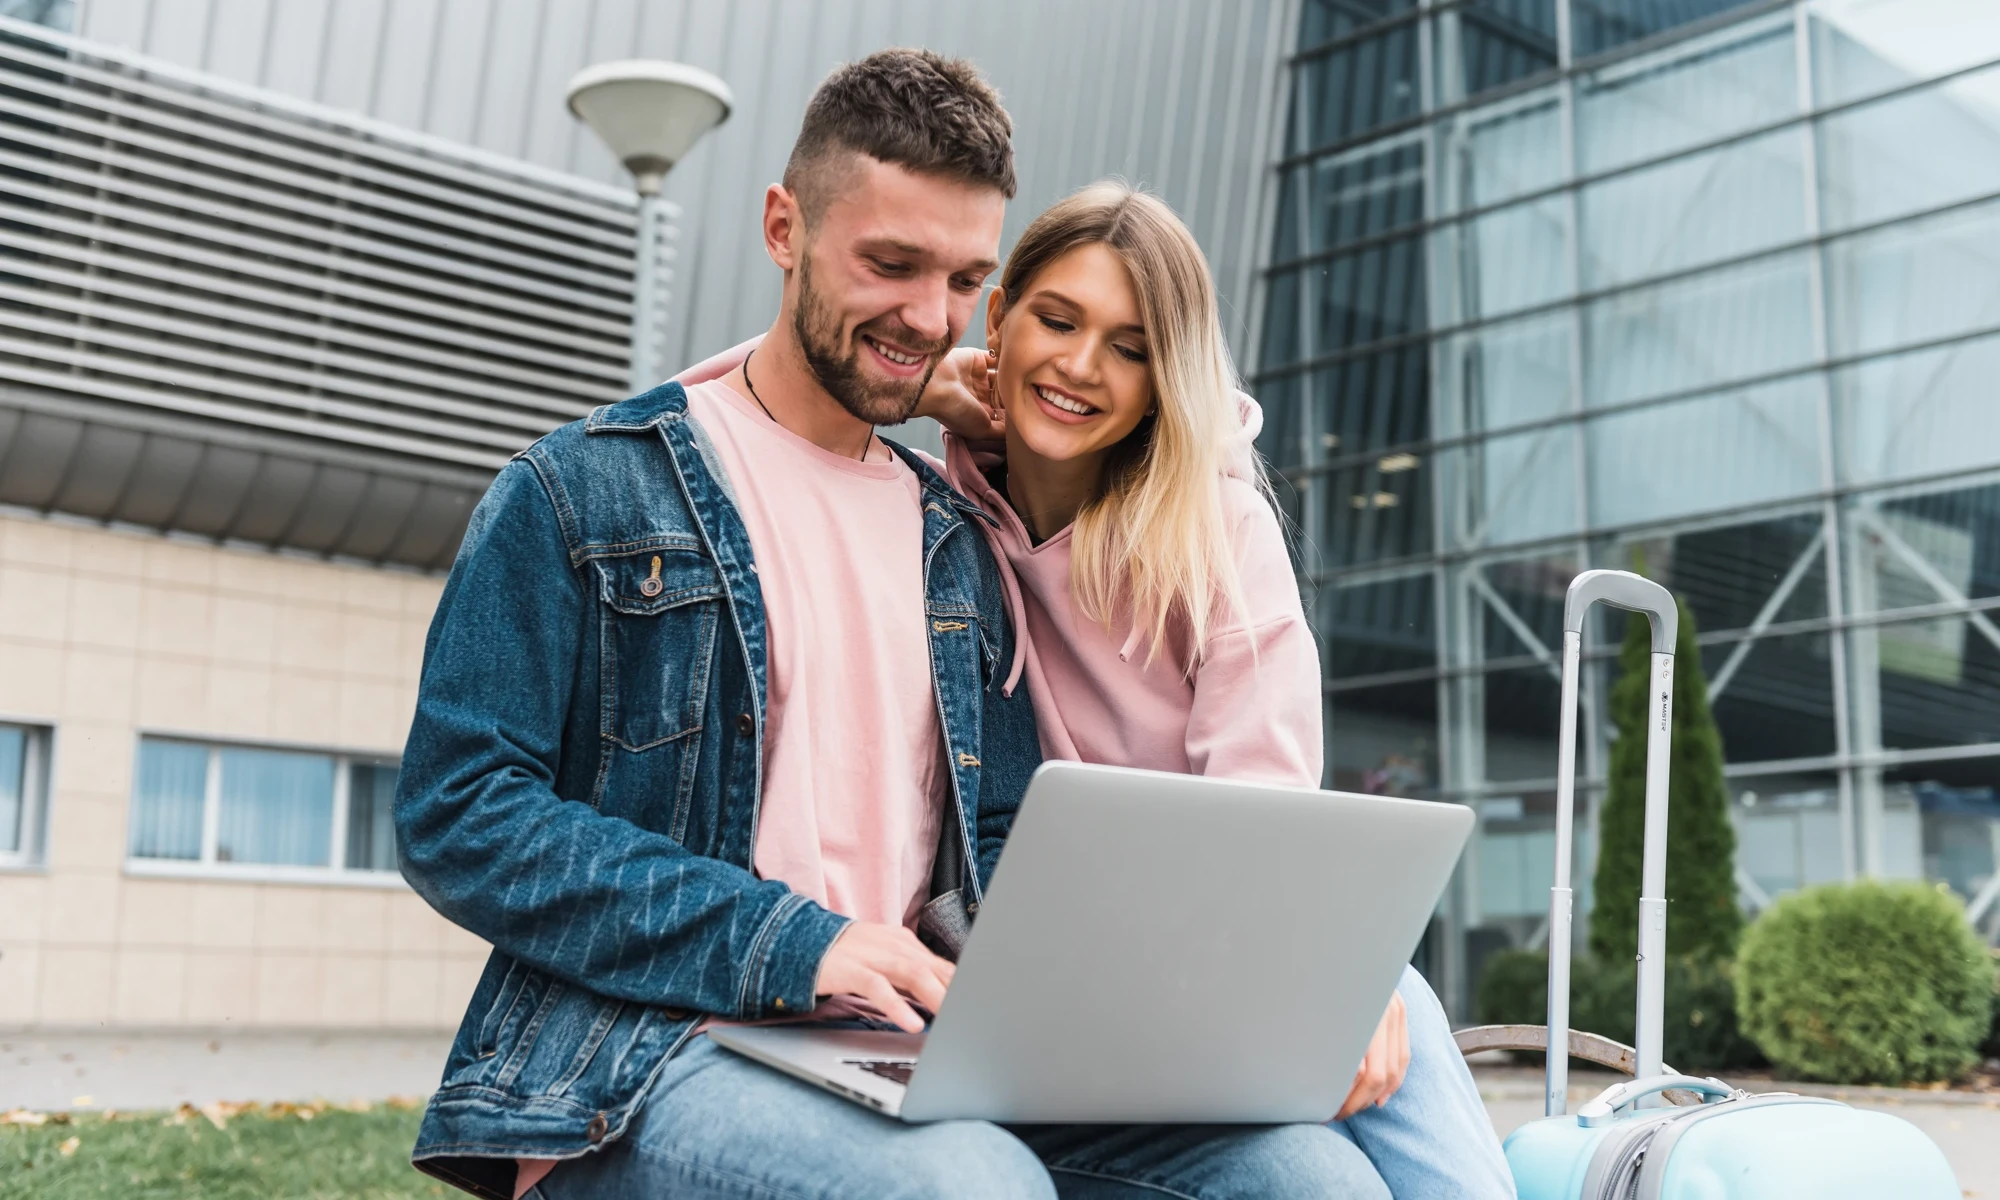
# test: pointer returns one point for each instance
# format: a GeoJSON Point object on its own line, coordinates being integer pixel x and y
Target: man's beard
{"type": "Point", "coordinates": [876, 401]}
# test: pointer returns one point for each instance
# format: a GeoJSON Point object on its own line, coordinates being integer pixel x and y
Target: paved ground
{"type": "Point", "coordinates": [49, 1071]}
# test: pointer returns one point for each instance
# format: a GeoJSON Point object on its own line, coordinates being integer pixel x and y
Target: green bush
{"type": "Point", "coordinates": [1702, 918]}
{"type": "Point", "coordinates": [1701, 1031]}
{"type": "Point", "coordinates": [1866, 983]}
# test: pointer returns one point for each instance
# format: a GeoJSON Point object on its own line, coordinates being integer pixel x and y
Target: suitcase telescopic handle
{"type": "Point", "coordinates": [1619, 589]}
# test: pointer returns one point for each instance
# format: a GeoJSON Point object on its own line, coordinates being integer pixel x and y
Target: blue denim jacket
{"type": "Point", "coordinates": [581, 782]}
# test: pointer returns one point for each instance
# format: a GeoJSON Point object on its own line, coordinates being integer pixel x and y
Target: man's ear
{"type": "Point", "coordinates": [996, 307]}
{"type": "Point", "coordinates": [784, 227]}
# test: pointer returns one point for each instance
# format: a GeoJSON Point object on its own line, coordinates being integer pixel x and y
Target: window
{"type": "Point", "coordinates": [24, 775]}
{"type": "Point", "coordinates": [261, 811]}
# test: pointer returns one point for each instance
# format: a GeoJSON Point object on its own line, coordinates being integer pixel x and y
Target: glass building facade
{"type": "Point", "coordinates": [1708, 286]}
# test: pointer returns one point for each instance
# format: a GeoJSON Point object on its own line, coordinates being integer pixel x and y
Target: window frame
{"type": "Point", "coordinates": [334, 872]}
{"type": "Point", "coordinates": [37, 765]}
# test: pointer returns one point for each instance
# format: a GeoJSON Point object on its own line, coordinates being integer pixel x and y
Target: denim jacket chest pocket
{"type": "Point", "coordinates": [658, 612]}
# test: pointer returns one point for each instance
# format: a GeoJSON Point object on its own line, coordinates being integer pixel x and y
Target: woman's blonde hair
{"type": "Point", "coordinates": [1155, 536]}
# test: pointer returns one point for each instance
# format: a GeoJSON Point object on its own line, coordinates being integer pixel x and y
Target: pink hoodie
{"type": "Point", "coordinates": [1249, 710]}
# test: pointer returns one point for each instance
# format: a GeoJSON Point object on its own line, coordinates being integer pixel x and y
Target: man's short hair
{"type": "Point", "coordinates": [916, 109]}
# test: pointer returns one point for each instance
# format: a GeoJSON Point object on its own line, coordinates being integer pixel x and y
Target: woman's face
{"type": "Point", "coordinates": [1073, 359]}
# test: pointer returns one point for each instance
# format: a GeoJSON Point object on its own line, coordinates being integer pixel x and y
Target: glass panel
{"type": "Point", "coordinates": [55, 14]}
{"type": "Point", "coordinates": [13, 786]}
{"type": "Point", "coordinates": [1374, 628]}
{"type": "Point", "coordinates": [1926, 548]}
{"type": "Point", "coordinates": [1358, 87]}
{"type": "Point", "coordinates": [277, 807]}
{"type": "Point", "coordinates": [1776, 700]}
{"type": "Point", "coordinates": [1788, 831]}
{"type": "Point", "coordinates": [1533, 590]}
{"type": "Point", "coordinates": [1512, 149]}
{"type": "Point", "coordinates": [1938, 681]}
{"type": "Point", "coordinates": [1713, 452]}
{"type": "Point", "coordinates": [1518, 709]}
{"type": "Point", "coordinates": [1383, 739]}
{"type": "Point", "coordinates": [1324, 20]}
{"type": "Point", "coordinates": [1693, 210]}
{"type": "Point", "coordinates": [167, 800]}
{"type": "Point", "coordinates": [1864, 49]}
{"type": "Point", "coordinates": [1507, 374]}
{"type": "Point", "coordinates": [1284, 336]}
{"type": "Point", "coordinates": [1728, 573]}
{"type": "Point", "coordinates": [1637, 111]}
{"type": "Point", "coordinates": [1366, 296]}
{"type": "Point", "coordinates": [1512, 488]}
{"type": "Point", "coordinates": [1921, 413]}
{"type": "Point", "coordinates": [1333, 201]}
{"type": "Point", "coordinates": [371, 823]}
{"type": "Point", "coordinates": [1957, 805]}
{"type": "Point", "coordinates": [1372, 511]}
{"type": "Point", "coordinates": [1910, 153]}
{"type": "Point", "coordinates": [1501, 41]}
{"type": "Point", "coordinates": [1605, 24]}
{"type": "Point", "coordinates": [1516, 257]}
{"type": "Point", "coordinates": [1701, 332]}
{"type": "Point", "coordinates": [1372, 401]}
{"type": "Point", "coordinates": [1930, 278]}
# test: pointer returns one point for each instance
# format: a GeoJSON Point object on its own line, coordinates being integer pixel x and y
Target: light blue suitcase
{"type": "Point", "coordinates": [1716, 1143]}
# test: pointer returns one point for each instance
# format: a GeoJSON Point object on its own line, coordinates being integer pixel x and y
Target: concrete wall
{"type": "Point", "coordinates": [104, 635]}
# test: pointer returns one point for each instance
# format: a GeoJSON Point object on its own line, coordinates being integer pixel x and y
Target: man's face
{"type": "Point", "coordinates": [889, 276]}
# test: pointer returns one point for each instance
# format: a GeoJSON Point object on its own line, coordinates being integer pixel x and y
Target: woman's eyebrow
{"type": "Point", "coordinates": [1059, 298]}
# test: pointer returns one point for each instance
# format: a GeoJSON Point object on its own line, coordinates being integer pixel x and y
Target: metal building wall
{"type": "Point", "coordinates": [1175, 94]}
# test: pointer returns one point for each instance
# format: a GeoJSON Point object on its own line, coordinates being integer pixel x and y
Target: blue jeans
{"type": "Point", "coordinates": [718, 1127]}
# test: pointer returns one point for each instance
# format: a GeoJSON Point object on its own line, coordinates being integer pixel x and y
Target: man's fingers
{"type": "Point", "coordinates": [892, 1006]}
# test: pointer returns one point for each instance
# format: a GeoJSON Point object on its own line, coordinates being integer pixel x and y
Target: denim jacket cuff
{"type": "Point", "coordinates": [796, 938]}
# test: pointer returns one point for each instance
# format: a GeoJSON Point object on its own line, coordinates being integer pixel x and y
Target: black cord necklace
{"type": "Point", "coordinates": [862, 457]}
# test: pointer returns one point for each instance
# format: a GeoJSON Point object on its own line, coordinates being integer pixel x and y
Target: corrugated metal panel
{"type": "Point", "coordinates": [1170, 93]}
{"type": "Point", "coordinates": [390, 316]}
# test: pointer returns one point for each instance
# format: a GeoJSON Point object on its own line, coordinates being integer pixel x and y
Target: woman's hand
{"type": "Point", "coordinates": [1387, 1061]}
{"type": "Point", "coordinates": [960, 397]}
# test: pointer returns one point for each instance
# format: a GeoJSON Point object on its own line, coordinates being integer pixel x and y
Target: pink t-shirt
{"type": "Point", "coordinates": [854, 784]}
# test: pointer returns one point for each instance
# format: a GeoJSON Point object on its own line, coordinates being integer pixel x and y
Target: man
{"type": "Point", "coordinates": [714, 712]}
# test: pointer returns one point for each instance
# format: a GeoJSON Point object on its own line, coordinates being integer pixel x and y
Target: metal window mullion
{"type": "Point", "coordinates": [336, 858]}
{"type": "Point", "coordinates": [1822, 344]}
{"type": "Point", "coordinates": [530, 275]}
{"type": "Point", "coordinates": [466, 193]}
{"type": "Point", "coordinates": [602, 369]}
{"type": "Point", "coordinates": [95, 314]}
{"type": "Point", "coordinates": [202, 382]}
{"type": "Point", "coordinates": [475, 411]}
{"type": "Point", "coordinates": [181, 251]}
{"type": "Point", "coordinates": [182, 402]}
{"type": "Point", "coordinates": [211, 806]}
{"type": "Point", "coordinates": [429, 354]}
{"type": "Point", "coordinates": [237, 166]}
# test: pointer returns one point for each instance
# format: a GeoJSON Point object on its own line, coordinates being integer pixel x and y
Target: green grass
{"type": "Point", "coordinates": [257, 1155]}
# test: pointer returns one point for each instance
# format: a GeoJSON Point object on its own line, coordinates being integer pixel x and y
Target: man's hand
{"type": "Point", "coordinates": [960, 397]}
{"type": "Point", "coordinates": [1387, 1061]}
{"type": "Point", "coordinates": [888, 967]}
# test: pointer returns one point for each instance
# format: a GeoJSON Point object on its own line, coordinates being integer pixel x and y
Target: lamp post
{"type": "Point", "coordinates": [648, 113]}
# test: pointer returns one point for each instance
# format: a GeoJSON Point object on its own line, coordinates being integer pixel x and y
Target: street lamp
{"type": "Point", "coordinates": [648, 113]}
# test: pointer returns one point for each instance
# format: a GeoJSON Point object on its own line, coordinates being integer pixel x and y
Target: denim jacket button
{"type": "Point", "coordinates": [746, 724]}
{"type": "Point", "coordinates": [597, 1128]}
{"type": "Point", "coordinates": [674, 1014]}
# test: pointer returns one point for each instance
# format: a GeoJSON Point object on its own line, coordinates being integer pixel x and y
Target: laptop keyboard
{"type": "Point", "coordinates": [895, 1070]}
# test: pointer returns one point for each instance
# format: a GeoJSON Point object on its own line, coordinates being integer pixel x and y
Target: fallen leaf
{"type": "Point", "coordinates": [69, 1147]}
{"type": "Point", "coordinates": [21, 1116]}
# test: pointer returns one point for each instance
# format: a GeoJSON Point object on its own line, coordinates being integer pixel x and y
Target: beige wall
{"type": "Point", "coordinates": [104, 634]}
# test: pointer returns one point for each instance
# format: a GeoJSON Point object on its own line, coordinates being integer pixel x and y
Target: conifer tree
{"type": "Point", "coordinates": [1703, 921]}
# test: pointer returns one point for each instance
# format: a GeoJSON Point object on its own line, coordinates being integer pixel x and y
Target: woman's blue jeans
{"type": "Point", "coordinates": [718, 1127]}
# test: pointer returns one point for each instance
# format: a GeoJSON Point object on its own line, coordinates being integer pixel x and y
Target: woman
{"type": "Point", "coordinates": [1162, 620]}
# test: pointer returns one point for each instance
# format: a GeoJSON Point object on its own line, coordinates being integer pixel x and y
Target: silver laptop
{"type": "Point", "coordinates": [1158, 948]}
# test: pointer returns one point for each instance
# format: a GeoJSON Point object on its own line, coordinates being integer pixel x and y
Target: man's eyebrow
{"type": "Point", "coordinates": [985, 266]}
{"type": "Point", "coordinates": [1048, 293]}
